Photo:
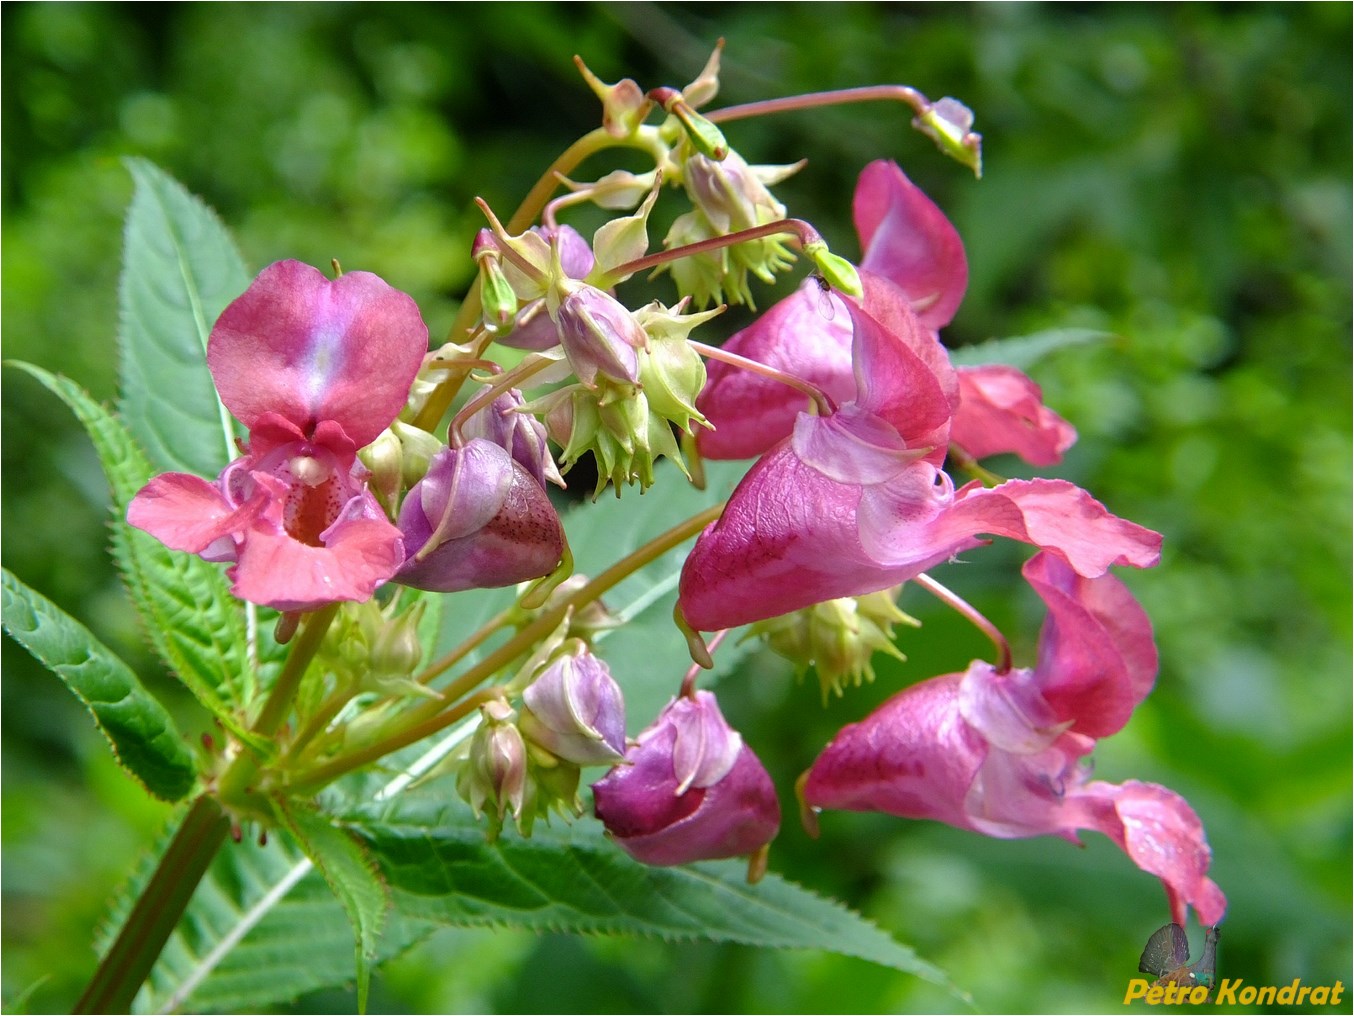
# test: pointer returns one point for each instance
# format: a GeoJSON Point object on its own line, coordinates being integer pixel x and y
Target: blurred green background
{"type": "Point", "coordinates": [1177, 175]}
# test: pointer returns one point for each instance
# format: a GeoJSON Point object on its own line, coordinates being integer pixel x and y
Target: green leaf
{"type": "Point", "coordinates": [261, 929]}
{"type": "Point", "coordinates": [1024, 351]}
{"type": "Point", "coordinates": [352, 876]}
{"type": "Point", "coordinates": [139, 729]}
{"type": "Point", "coordinates": [192, 621]}
{"type": "Point", "coordinates": [180, 269]}
{"type": "Point", "coordinates": [442, 870]}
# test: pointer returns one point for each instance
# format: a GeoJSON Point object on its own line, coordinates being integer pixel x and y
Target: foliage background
{"type": "Point", "coordinates": [1177, 175]}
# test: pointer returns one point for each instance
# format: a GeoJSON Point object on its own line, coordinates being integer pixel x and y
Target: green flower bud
{"type": "Point", "coordinates": [496, 294]}
{"type": "Point", "coordinates": [417, 448]}
{"type": "Point", "coordinates": [837, 637]}
{"type": "Point", "coordinates": [494, 771]}
{"type": "Point", "coordinates": [384, 457]}
{"type": "Point", "coordinates": [948, 124]}
{"type": "Point", "coordinates": [840, 273]}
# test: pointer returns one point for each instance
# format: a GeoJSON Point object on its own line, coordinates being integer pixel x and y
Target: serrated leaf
{"type": "Point", "coordinates": [261, 929]}
{"type": "Point", "coordinates": [351, 874]}
{"type": "Point", "coordinates": [442, 870]}
{"type": "Point", "coordinates": [1024, 351]}
{"type": "Point", "coordinates": [139, 729]}
{"type": "Point", "coordinates": [180, 270]}
{"type": "Point", "coordinates": [192, 621]}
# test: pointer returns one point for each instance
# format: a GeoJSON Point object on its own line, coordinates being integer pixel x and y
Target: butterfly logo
{"type": "Point", "coordinates": [1167, 958]}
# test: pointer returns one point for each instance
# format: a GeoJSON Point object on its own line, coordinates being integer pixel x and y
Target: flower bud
{"type": "Point", "coordinates": [417, 448]}
{"type": "Point", "coordinates": [837, 637]}
{"type": "Point", "coordinates": [599, 335]}
{"type": "Point", "coordinates": [520, 434]}
{"type": "Point", "coordinates": [730, 193]}
{"type": "Point", "coordinates": [949, 123]}
{"type": "Point", "coordinates": [496, 293]}
{"type": "Point", "coordinates": [624, 105]}
{"type": "Point", "coordinates": [575, 710]}
{"type": "Point", "coordinates": [384, 457]}
{"type": "Point", "coordinates": [495, 770]}
{"type": "Point", "coordinates": [477, 520]}
{"type": "Point", "coordinates": [691, 791]}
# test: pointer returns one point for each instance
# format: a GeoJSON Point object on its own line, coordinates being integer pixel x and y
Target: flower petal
{"type": "Point", "coordinates": [1158, 829]}
{"type": "Point", "coordinates": [188, 513]}
{"type": "Point", "coordinates": [1097, 656]}
{"type": "Point", "coordinates": [1051, 514]}
{"type": "Point", "coordinates": [807, 334]}
{"type": "Point", "coordinates": [360, 551]}
{"type": "Point", "coordinates": [914, 757]}
{"type": "Point", "coordinates": [1002, 410]}
{"type": "Point", "coordinates": [311, 349]}
{"type": "Point", "coordinates": [908, 240]}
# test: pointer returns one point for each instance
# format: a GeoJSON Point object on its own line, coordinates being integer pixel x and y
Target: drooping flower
{"type": "Point", "coordinates": [690, 790]}
{"type": "Point", "coordinates": [315, 369]}
{"type": "Point", "coordinates": [477, 520]}
{"type": "Point", "coordinates": [854, 502]}
{"type": "Point", "coordinates": [1001, 753]}
{"type": "Point", "coordinates": [908, 243]}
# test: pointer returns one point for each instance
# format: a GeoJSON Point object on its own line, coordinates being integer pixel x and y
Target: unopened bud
{"type": "Point", "coordinates": [840, 273]}
{"type": "Point", "coordinates": [384, 457]}
{"type": "Point", "coordinates": [624, 105]}
{"type": "Point", "coordinates": [948, 123]}
{"type": "Point", "coordinates": [417, 448]}
{"type": "Point", "coordinates": [599, 335]}
{"type": "Point", "coordinates": [495, 770]}
{"type": "Point", "coordinates": [575, 710]}
{"type": "Point", "coordinates": [496, 293]}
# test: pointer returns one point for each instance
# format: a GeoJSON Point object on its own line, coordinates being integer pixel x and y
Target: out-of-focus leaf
{"type": "Point", "coordinates": [180, 269]}
{"type": "Point", "coordinates": [1024, 351]}
{"type": "Point", "coordinates": [139, 729]}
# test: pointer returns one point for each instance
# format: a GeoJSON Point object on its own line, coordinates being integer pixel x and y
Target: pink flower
{"type": "Point", "coordinates": [690, 790]}
{"type": "Point", "coordinates": [1000, 753]}
{"type": "Point", "coordinates": [855, 501]}
{"type": "Point", "coordinates": [908, 243]}
{"type": "Point", "coordinates": [315, 369]}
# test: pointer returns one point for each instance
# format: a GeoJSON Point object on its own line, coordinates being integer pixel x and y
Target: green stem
{"type": "Point", "coordinates": [423, 725]}
{"type": "Point", "coordinates": [161, 904]}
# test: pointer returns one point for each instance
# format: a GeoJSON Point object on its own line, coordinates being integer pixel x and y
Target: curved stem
{"type": "Point", "coordinates": [448, 661]}
{"type": "Point", "coordinates": [820, 398]}
{"type": "Point", "coordinates": [688, 689]}
{"type": "Point", "coordinates": [954, 600]}
{"type": "Point", "coordinates": [841, 97]}
{"type": "Point", "coordinates": [158, 909]}
{"type": "Point", "coordinates": [963, 460]}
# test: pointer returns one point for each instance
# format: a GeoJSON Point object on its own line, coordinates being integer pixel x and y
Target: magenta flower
{"type": "Point", "coordinates": [1000, 753]}
{"type": "Point", "coordinates": [315, 369]}
{"type": "Point", "coordinates": [855, 502]}
{"type": "Point", "coordinates": [477, 520]}
{"type": "Point", "coordinates": [907, 242]}
{"type": "Point", "coordinates": [690, 790]}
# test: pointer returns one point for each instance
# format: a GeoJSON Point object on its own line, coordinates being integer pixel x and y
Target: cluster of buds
{"type": "Point", "coordinates": [527, 762]}
{"type": "Point", "coordinates": [838, 638]}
